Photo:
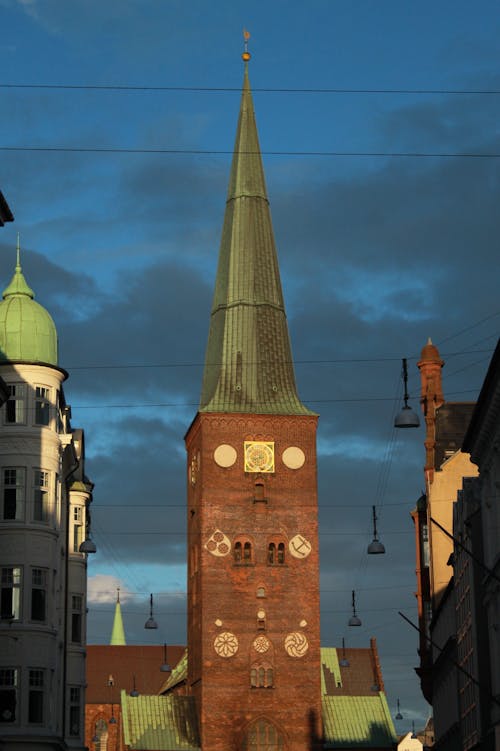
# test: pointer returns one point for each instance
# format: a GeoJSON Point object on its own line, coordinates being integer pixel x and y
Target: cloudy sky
{"type": "Point", "coordinates": [117, 123]}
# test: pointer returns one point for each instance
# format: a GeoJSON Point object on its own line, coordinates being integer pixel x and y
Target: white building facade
{"type": "Point", "coordinates": [44, 519]}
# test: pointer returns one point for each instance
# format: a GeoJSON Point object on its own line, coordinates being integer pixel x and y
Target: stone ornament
{"type": "Point", "coordinates": [296, 644]}
{"type": "Point", "coordinates": [226, 644]}
{"type": "Point", "coordinates": [293, 457]}
{"type": "Point", "coordinates": [225, 455]}
{"type": "Point", "coordinates": [261, 644]}
{"type": "Point", "coordinates": [299, 547]}
{"type": "Point", "coordinates": [218, 544]}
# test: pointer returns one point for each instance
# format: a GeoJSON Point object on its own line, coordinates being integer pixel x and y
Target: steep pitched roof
{"type": "Point", "coordinates": [159, 723]}
{"type": "Point", "coordinates": [248, 365]}
{"type": "Point", "coordinates": [355, 710]}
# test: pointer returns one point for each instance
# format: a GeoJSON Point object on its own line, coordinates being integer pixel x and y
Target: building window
{"type": "Point", "coordinates": [42, 405]}
{"type": "Point", "coordinates": [263, 735]}
{"type": "Point", "coordinates": [77, 528]}
{"type": "Point", "coordinates": [74, 710]}
{"type": "Point", "coordinates": [76, 619]}
{"type": "Point", "coordinates": [243, 551]}
{"type": "Point", "coordinates": [276, 553]}
{"type": "Point", "coordinates": [425, 545]}
{"type": "Point", "coordinates": [8, 694]}
{"type": "Point", "coordinates": [261, 676]}
{"type": "Point", "coordinates": [41, 496]}
{"type": "Point", "coordinates": [35, 698]}
{"type": "Point", "coordinates": [10, 593]}
{"type": "Point", "coordinates": [261, 592]}
{"type": "Point", "coordinates": [13, 493]}
{"type": "Point", "coordinates": [15, 407]}
{"type": "Point", "coordinates": [38, 594]}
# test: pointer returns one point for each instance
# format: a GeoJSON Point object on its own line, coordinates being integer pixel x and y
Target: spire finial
{"type": "Point", "coordinates": [18, 253]}
{"type": "Point", "coordinates": [246, 55]}
{"type": "Point", "coordinates": [118, 594]}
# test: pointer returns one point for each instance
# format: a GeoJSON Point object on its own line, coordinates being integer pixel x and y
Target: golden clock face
{"type": "Point", "coordinates": [259, 456]}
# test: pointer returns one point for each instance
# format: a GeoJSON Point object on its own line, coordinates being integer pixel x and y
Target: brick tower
{"type": "Point", "coordinates": [253, 566]}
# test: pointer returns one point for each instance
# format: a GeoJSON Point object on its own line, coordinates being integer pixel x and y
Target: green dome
{"type": "Point", "coordinates": [27, 331]}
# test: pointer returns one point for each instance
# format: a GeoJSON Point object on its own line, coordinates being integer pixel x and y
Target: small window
{"type": "Point", "coordinates": [42, 405]}
{"type": "Point", "coordinates": [8, 694]}
{"type": "Point", "coordinates": [13, 493]}
{"type": "Point", "coordinates": [41, 496]}
{"type": "Point", "coordinates": [35, 698]}
{"type": "Point", "coordinates": [38, 594]}
{"type": "Point", "coordinates": [76, 618]}
{"type": "Point", "coordinates": [74, 711]}
{"type": "Point", "coordinates": [261, 676]}
{"type": "Point", "coordinates": [243, 551]}
{"type": "Point", "coordinates": [77, 528]}
{"type": "Point", "coordinates": [261, 592]}
{"type": "Point", "coordinates": [10, 593]}
{"type": "Point", "coordinates": [276, 553]}
{"type": "Point", "coordinates": [15, 406]}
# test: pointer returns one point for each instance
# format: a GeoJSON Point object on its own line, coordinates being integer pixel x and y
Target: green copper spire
{"type": "Point", "coordinates": [27, 331]}
{"type": "Point", "coordinates": [118, 632]}
{"type": "Point", "coordinates": [248, 366]}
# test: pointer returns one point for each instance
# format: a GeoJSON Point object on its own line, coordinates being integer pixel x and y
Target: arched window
{"type": "Point", "coordinates": [243, 550]}
{"type": "Point", "coordinates": [276, 552]}
{"type": "Point", "coordinates": [237, 552]}
{"type": "Point", "coordinates": [261, 592]}
{"type": "Point", "coordinates": [262, 735]}
{"type": "Point", "coordinates": [261, 675]}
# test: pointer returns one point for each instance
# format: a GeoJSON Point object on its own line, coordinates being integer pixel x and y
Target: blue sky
{"type": "Point", "coordinates": [377, 251]}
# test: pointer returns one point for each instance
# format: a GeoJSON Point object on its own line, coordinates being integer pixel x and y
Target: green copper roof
{"type": "Point", "coordinates": [118, 632]}
{"type": "Point", "coordinates": [357, 722]}
{"type": "Point", "coordinates": [329, 657]}
{"type": "Point", "coordinates": [248, 366]}
{"type": "Point", "coordinates": [27, 332]}
{"type": "Point", "coordinates": [178, 674]}
{"type": "Point", "coordinates": [157, 723]}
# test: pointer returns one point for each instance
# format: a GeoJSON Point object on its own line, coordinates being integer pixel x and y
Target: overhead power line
{"type": "Point", "coordinates": [237, 89]}
{"type": "Point", "coordinates": [217, 152]}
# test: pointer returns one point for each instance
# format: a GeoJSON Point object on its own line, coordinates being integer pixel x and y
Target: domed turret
{"type": "Point", "coordinates": [27, 331]}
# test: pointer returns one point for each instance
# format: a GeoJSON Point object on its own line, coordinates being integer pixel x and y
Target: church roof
{"type": "Point", "coordinates": [248, 365]}
{"type": "Point", "coordinates": [118, 632]}
{"type": "Point", "coordinates": [158, 723]}
{"type": "Point", "coordinates": [27, 331]}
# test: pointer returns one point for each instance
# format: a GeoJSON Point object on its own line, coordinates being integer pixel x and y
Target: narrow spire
{"type": "Point", "coordinates": [18, 284]}
{"type": "Point", "coordinates": [248, 365]}
{"type": "Point", "coordinates": [118, 632]}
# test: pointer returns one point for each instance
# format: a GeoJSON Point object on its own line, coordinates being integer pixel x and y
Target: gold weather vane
{"type": "Point", "coordinates": [246, 55]}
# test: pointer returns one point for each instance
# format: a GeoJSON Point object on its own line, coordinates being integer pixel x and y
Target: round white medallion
{"type": "Point", "coordinates": [225, 455]}
{"type": "Point", "coordinates": [296, 644]}
{"type": "Point", "coordinates": [226, 644]}
{"type": "Point", "coordinates": [293, 457]}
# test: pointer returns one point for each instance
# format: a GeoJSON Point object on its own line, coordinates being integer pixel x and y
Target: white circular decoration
{"type": "Point", "coordinates": [303, 624]}
{"type": "Point", "coordinates": [261, 615]}
{"type": "Point", "coordinates": [296, 644]}
{"type": "Point", "coordinates": [261, 644]}
{"type": "Point", "coordinates": [218, 544]}
{"type": "Point", "coordinates": [225, 455]}
{"type": "Point", "coordinates": [299, 547]}
{"type": "Point", "coordinates": [293, 457]}
{"type": "Point", "coordinates": [218, 622]}
{"type": "Point", "coordinates": [226, 644]}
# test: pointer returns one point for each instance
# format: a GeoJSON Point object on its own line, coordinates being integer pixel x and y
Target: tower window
{"type": "Point", "coordinates": [15, 407]}
{"type": "Point", "coordinates": [243, 551]}
{"type": "Point", "coordinates": [8, 694]}
{"type": "Point", "coordinates": [35, 698]}
{"type": "Point", "coordinates": [38, 594]}
{"type": "Point", "coordinates": [261, 592]}
{"type": "Point", "coordinates": [77, 528]}
{"type": "Point", "coordinates": [41, 496]}
{"type": "Point", "coordinates": [76, 618]}
{"type": "Point", "coordinates": [42, 405]}
{"type": "Point", "coordinates": [261, 676]}
{"type": "Point", "coordinates": [276, 553]}
{"type": "Point", "coordinates": [74, 710]}
{"type": "Point", "coordinates": [10, 593]}
{"type": "Point", "coordinates": [13, 493]}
